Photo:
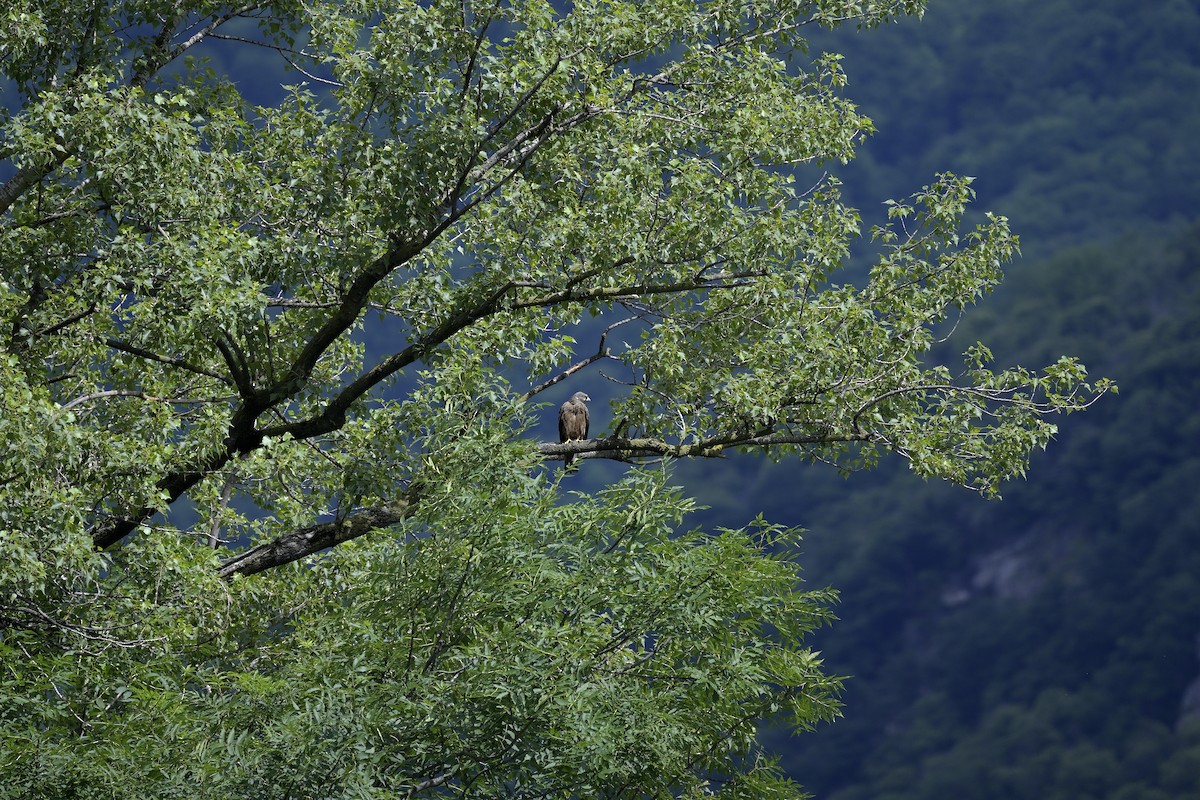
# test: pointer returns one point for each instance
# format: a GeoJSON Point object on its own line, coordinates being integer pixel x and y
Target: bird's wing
{"type": "Point", "coordinates": [563, 412]}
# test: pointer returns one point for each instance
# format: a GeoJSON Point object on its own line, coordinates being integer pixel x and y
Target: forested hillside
{"type": "Point", "coordinates": [1046, 645]}
{"type": "Point", "coordinates": [1078, 118]}
{"type": "Point", "coordinates": [1040, 646]}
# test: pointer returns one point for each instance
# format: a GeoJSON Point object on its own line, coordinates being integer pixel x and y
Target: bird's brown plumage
{"type": "Point", "coordinates": [573, 422]}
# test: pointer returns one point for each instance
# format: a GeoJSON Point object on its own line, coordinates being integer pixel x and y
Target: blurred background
{"type": "Point", "coordinates": [1046, 645]}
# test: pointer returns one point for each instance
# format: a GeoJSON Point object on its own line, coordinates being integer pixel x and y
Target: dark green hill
{"type": "Point", "coordinates": [1040, 646]}
{"type": "Point", "coordinates": [1078, 118]}
{"type": "Point", "coordinates": [1047, 645]}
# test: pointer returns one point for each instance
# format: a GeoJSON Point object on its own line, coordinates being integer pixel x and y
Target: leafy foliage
{"type": "Point", "coordinates": [255, 553]}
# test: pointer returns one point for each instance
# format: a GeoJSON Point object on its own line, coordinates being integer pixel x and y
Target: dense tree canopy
{"type": "Point", "coordinates": [238, 335]}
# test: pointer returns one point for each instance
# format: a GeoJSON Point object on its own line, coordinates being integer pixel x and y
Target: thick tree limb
{"type": "Point", "coordinates": [430, 783]}
{"type": "Point", "coordinates": [306, 541]}
{"type": "Point", "coordinates": [114, 529]}
{"type": "Point", "coordinates": [27, 177]}
{"type": "Point", "coordinates": [334, 413]}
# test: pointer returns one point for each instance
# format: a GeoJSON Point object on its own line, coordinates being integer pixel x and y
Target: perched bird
{"type": "Point", "coordinates": [573, 422]}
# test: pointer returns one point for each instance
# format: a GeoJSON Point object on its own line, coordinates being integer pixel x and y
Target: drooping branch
{"type": "Point", "coordinates": [984, 396]}
{"type": "Point", "coordinates": [18, 613]}
{"type": "Point", "coordinates": [142, 396]}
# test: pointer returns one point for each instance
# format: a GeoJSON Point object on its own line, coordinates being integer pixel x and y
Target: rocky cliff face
{"type": "Point", "coordinates": [1189, 707]}
{"type": "Point", "coordinates": [1014, 571]}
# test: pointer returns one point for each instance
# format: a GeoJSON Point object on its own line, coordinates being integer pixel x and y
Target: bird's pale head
{"type": "Point", "coordinates": [580, 397]}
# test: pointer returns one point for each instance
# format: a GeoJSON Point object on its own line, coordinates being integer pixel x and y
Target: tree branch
{"type": "Point", "coordinates": [27, 177]}
{"type": "Point", "coordinates": [66, 323]}
{"type": "Point", "coordinates": [570, 294]}
{"type": "Point", "coordinates": [601, 352]}
{"type": "Point", "coordinates": [566, 373]}
{"type": "Point", "coordinates": [347, 312]}
{"type": "Point", "coordinates": [144, 396]}
{"type": "Point", "coordinates": [296, 545]}
{"type": "Point", "coordinates": [620, 448]}
{"type": "Point", "coordinates": [314, 538]}
{"type": "Point", "coordinates": [201, 34]}
{"type": "Point", "coordinates": [430, 783]}
{"type": "Point", "coordinates": [125, 347]}
{"type": "Point", "coordinates": [235, 360]}
{"type": "Point", "coordinates": [335, 410]}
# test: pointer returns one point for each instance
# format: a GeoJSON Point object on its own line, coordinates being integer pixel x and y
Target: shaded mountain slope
{"type": "Point", "coordinates": [1078, 118]}
{"type": "Point", "coordinates": [1042, 645]}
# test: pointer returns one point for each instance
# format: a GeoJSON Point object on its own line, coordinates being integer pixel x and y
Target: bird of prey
{"type": "Point", "coordinates": [573, 422]}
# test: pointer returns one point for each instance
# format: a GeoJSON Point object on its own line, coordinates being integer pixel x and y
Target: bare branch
{"type": "Point", "coordinates": [144, 396]}
{"type": "Point", "coordinates": [285, 52]}
{"type": "Point", "coordinates": [568, 372]}
{"type": "Point", "coordinates": [601, 352]}
{"type": "Point", "coordinates": [140, 352]}
{"type": "Point", "coordinates": [217, 22]}
{"type": "Point", "coordinates": [430, 783]}
{"type": "Point", "coordinates": [28, 176]}
{"type": "Point", "coordinates": [306, 541]}
{"type": "Point", "coordinates": [625, 449]}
